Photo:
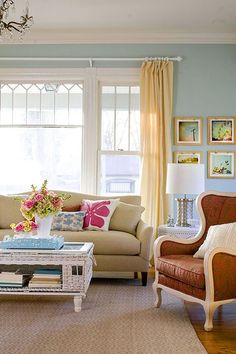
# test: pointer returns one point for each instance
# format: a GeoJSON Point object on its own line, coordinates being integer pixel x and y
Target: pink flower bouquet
{"type": "Point", "coordinates": [42, 202]}
{"type": "Point", "coordinates": [24, 226]}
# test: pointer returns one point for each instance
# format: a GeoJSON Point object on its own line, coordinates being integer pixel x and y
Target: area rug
{"type": "Point", "coordinates": [117, 317]}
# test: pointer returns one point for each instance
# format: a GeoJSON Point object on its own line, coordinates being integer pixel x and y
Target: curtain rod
{"type": "Point", "coordinates": [90, 60]}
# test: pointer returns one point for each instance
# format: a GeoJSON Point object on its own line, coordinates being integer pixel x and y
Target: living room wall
{"type": "Point", "coordinates": [204, 82]}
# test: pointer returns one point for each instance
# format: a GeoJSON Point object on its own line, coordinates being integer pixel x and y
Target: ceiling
{"type": "Point", "coordinates": [117, 21]}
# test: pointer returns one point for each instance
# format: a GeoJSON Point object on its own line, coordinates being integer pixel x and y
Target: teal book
{"type": "Point", "coordinates": [11, 285]}
{"type": "Point", "coordinates": [48, 271]}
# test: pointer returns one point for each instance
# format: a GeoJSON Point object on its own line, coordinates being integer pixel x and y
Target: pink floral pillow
{"type": "Point", "coordinates": [98, 213]}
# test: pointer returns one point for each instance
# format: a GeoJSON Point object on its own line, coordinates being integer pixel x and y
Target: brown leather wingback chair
{"type": "Point", "coordinates": [210, 281]}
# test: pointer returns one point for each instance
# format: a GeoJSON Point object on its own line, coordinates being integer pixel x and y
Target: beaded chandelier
{"type": "Point", "coordinates": [13, 27]}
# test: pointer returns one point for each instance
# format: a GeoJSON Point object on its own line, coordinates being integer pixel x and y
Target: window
{"type": "Point", "coordinates": [41, 136]}
{"type": "Point", "coordinates": [54, 123]}
{"type": "Point", "coordinates": [119, 161]}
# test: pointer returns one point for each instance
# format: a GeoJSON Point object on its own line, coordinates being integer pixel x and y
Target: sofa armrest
{"type": "Point", "coordinates": [220, 270]}
{"type": "Point", "coordinates": [144, 234]}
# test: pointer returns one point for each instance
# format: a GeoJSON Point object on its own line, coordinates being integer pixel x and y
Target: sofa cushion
{"type": "Point", "coordinates": [126, 218]}
{"type": "Point", "coordinates": [106, 242]}
{"type": "Point", "coordinates": [98, 213]}
{"type": "Point", "coordinates": [68, 221]}
{"type": "Point", "coordinates": [9, 211]}
{"type": "Point", "coordinates": [184, 268]}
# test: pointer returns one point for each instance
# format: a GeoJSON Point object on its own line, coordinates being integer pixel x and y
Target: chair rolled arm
{"type": "Point", "coordinates": [220, 270]}
{"type": "Point", "coordinates": [144, 234]}
{"type": "Point", "coordinates": [175, 247]}
{"type": "Point", "coordinates": [169, 244]}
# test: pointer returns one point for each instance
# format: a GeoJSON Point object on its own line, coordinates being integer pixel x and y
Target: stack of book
{"type": "Point", "coordinates": [13, 279]}
{"type": "Point", "coordinates": [46, 278]}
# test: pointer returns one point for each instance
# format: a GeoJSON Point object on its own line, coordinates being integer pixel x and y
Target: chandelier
{"type": "Point", "coordinates": [12, 27]}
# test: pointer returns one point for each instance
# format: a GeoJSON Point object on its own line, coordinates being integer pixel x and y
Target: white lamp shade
{"type": "Point", "coordinates": [185, 178]}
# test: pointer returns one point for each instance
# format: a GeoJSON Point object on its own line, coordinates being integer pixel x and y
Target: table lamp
{"type": "Point", "coordinates": [185, 179]}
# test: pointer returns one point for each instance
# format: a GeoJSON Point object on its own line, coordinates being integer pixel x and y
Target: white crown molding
{"type": "Point", "coordinates": [75, 37]}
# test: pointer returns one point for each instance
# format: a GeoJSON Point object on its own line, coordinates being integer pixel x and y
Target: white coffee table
{"type": "Point", "coordinates": [75, 260]}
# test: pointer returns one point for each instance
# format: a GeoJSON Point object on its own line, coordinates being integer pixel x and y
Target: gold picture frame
{"type": "Point", "coordinates": [188, 157]}
{"type": "Point", "coordinates": [188, 131]}
{"type": "Point", "coordinates": [221, 164]}
{"type": "Point", "coordinates": [221, 130]}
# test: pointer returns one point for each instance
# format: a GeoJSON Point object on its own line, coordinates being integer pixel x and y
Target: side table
{"type": "Point", "coordinates": [181, 232]}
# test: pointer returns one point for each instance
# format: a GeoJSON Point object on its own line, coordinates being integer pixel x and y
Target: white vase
{"type": "Point", "coordinates": [44, 225]}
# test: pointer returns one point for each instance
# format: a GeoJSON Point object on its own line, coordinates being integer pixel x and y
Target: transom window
{"type": "Point", "coordinates": [119, 159]}
{"type": "Point", "coordinates": [41, 135]}
{"type": "Point", "coordinates": [40, 104]}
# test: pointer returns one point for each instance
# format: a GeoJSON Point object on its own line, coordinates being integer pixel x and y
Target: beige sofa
{"type": "Point", "coordinates": [125, 247]}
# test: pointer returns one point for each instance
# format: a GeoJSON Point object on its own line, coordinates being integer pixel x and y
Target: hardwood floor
{"type": "Point", "coordinates": [222, 339]}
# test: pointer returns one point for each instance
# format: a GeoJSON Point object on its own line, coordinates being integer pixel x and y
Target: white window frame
{"type": "Point", "coordinates": [91, 78]}
{"type": "Point", "coordinates": [113, 82]}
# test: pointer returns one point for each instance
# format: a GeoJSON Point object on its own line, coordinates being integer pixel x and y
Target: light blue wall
{"type": "Point", "coordinates": [204, 83]}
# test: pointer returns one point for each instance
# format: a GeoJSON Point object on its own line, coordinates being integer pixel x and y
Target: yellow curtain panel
{"type": "Point", "coordinates": [156, 111]}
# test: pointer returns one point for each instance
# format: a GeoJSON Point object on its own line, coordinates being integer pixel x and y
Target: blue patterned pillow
{"type": "Point", "coordinates": [68, 221]}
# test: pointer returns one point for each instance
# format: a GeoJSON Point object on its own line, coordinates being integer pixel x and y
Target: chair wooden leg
{"type": "Point", "coordinates": [209, 309]}
{"type": "Point", "coordinates": [135, 275]}
{"type": "Point", "coordinates": [144, 278]}
{"type": "Point", "coordinates": [157, 293]}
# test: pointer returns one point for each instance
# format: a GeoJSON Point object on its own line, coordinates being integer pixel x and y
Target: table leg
{"type": "Point", "coordinates": [77, 303]}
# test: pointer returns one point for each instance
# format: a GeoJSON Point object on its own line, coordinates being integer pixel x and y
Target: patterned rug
{"type": "Point", "coordinates": [117, 317]}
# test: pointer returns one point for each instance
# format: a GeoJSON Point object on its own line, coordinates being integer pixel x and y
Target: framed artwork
{"type": "Point", "coordinates": [221, 164]}
{"type": "Point", "coordinates": [187, 157]}
{"type": "Point", "coordinates": [188, 131]}
{"type": "Point", "coordinates": [221, 130]}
